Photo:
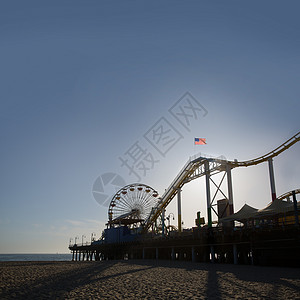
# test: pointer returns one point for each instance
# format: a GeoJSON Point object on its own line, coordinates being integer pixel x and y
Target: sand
{"type": "Point", "coordinates": [150, 279]}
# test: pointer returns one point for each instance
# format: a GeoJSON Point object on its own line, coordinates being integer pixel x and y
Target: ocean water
{"type": "Point", "coordinates": [36, 257]}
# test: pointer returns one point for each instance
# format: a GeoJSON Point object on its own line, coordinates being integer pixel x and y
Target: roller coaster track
{"type": "Point", "coordinates": [196, 167]}
{"type": "Point", "coordinates": [294, 139]}
{"type": "Point", "coordinates": [288, 194]}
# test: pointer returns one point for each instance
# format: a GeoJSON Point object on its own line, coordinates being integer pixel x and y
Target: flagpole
{"type": "Point", "coordinates": [194, 147]}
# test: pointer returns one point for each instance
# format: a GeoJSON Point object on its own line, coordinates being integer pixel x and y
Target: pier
{"type": "Point", "coordinates": [254, 246]}
{"type": "Point", "coordinates": [138, 228]}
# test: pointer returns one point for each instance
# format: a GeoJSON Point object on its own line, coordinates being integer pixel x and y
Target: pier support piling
{"type": "Point", "coordinates": [163, 222]}
{"type": "Point", "coordinates": [212, 254]}
{"type": "Point", "coordinates": [207, 178]}
{"type": "Point", "coordinates": [230, 192]}
{"type": "Point", "coordinates": [295, 208]}
{"type": "Point", "coordinates": [179, 209]}
{"type": "Point", "coordinates": [235, 255]}
{"type": "Point", "coordinates": [272, 179]}
{"type": "Point", "coordinates": [193, 254]}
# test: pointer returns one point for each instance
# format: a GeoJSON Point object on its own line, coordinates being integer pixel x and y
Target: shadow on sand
{"type": "Point", "coordinates": [218, 281]}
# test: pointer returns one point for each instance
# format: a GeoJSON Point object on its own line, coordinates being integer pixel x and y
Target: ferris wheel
{"type": "Point", "coordinates": [132, 204]}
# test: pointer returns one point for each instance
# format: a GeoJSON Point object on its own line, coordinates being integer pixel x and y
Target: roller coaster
{"type": "Point", "coordinates": [202, 166]}
{"type": "Point", "coordinates": [287, 195]}
{"type": "Point", "coordinates": [137, 210]}
{"type": "Point", "coordinates": [132, 201]}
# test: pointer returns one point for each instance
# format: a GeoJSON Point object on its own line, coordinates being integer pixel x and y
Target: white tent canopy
{"type": "Point", "coordinates": [243, 214]}
{"type": "Point", "coordinates": [274, 208]}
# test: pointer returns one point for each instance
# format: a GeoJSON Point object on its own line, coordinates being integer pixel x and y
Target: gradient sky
{"type": "Point", "coordinates": [83, 81]}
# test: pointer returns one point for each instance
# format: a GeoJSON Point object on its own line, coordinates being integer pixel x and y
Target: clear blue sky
{"type": "Point", "coordinates": [83, 81]}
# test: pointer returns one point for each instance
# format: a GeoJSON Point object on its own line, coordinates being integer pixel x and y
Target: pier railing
{"type": "Point", "coordinates": [80, 244]}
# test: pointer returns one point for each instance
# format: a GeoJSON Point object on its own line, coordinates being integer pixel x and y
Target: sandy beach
{"type": "Point", "coordinates": [140, 279]}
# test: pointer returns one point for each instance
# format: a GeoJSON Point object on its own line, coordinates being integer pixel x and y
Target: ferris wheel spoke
{"type": "Point", "coordinates": [147, 199]}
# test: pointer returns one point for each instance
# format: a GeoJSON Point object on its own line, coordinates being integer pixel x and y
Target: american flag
{"type": "Point", "coordinates": [200, 141]}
